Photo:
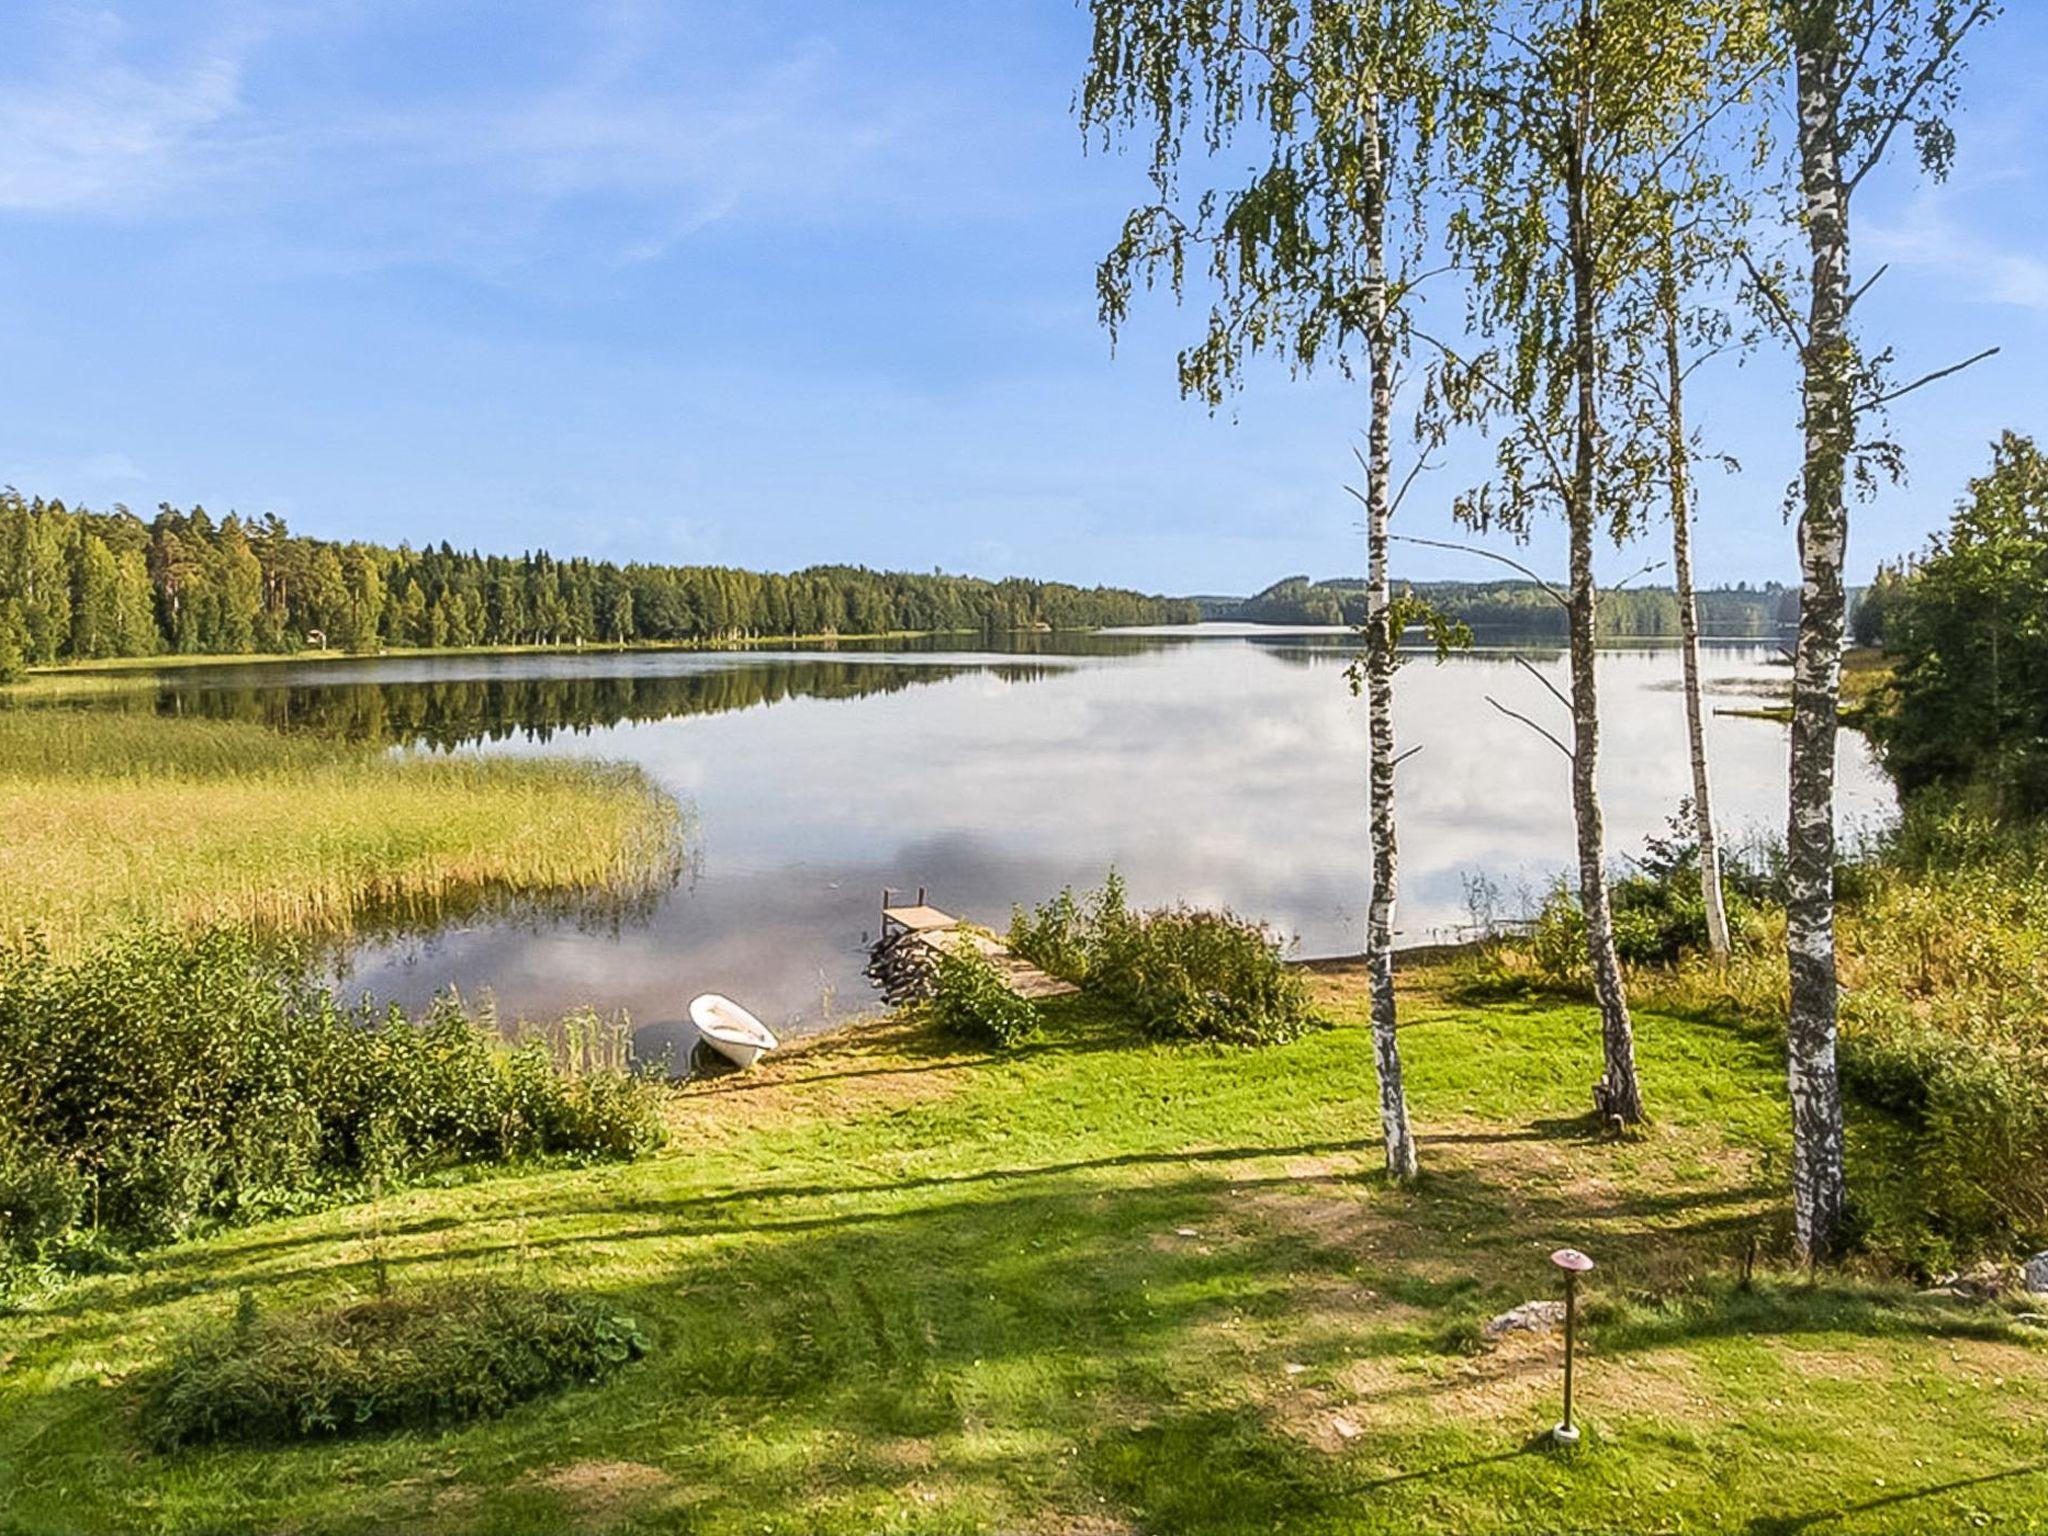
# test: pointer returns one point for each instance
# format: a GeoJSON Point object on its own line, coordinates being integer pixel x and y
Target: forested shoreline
{"type": "Point", "coordinates": [1524, 606]}
{"type": "Point", "coordinates": [78, 585]}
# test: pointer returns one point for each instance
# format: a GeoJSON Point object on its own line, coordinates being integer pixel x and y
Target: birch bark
{"type": "Point", "coordinates": [1381, 640]}
{"type": "Point", "coordinates": [1680, 462]}
{"type": "Point", "coordinates": [1621, 1091]}
{"type": "Point", "coordinates": [1818, 1185]}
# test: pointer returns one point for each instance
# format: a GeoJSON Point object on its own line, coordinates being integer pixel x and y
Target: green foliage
{"type": "Point", "coordinates": [408, 1359]}
{"type": "Point", "coordinates": [1968, 634]}
{"type": "Point", "coordinates": [1944, 964]}
{"type": "Point", "coordinates": [13, 642]}
{"type": "Point", "coordinates": [162, 1081]}
{"type": "Point", "coordinates": [970, 1000]}
{"type": "Point", "coordinates": [1975, 1153]}
{"type": "Point", "coordinates": [1183, 974]}
{"type": "Point", "coordinates": [1334, 106]}
{"type": "Point", "coordinates": [1660, 913]}
{"type": "Point", "coordinates": [1877, 607]}
{"type": "Point", "coordinates": [85, 585]}
{"type": "Point", "coordinates": [41, 1196]}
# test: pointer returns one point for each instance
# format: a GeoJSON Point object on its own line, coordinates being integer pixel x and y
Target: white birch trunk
{"type": "Point", "coordinates": [1819, 1188]}
{"type": "Point", "coordinates": [1381, 640]}
{"type": "Point", "coordinates": [1689, 625]}
{"type": "Point", "coordinates": [1620, 1091]}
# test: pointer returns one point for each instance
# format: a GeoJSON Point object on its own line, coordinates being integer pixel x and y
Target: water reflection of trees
{"type": "Point", "coordinates": [1342, 649]}
{"type": "Point", "coordinates": [448, 713]}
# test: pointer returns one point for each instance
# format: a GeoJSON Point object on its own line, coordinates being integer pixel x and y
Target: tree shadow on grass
{"type": "Point", "coordinates": [1793, 1524]}
{"type": "Point", "coordinates": [995, 1313]}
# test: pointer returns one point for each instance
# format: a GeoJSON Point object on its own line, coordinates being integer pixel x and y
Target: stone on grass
{"type": "Point", "coordinates": [2034, 1274]}
{"type": "Point", "coordinates": [1529, 1317]}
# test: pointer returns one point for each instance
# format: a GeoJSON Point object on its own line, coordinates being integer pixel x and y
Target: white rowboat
{"type": "Point", "coordinates": [730, 1030]}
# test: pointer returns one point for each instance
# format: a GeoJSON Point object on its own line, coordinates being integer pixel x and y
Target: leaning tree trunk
{"type": "Point", "coordinates": [1620, 1094]}
{"type": "Point", "coordinates": [1689, 624]}
{"type": "Point", "coordinates": [1381, 640]}
{"type": "Point", "coordinates": [1818, 1186]}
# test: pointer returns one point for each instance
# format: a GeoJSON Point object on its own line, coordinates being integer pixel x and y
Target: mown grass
{"type": "Point", "coordinates": [114, 817]}
{"type": "Point", "coordinates": [1091, 1286]}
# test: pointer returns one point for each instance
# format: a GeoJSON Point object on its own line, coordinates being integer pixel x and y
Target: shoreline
{"type": "Point", "coordinates": [179, 661]}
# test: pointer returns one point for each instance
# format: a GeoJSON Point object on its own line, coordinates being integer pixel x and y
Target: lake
{"type": "Point", "coordinates": [1219, 764]}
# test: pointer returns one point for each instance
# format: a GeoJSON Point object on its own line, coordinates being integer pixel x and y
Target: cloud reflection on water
{"type": "Point", "coordinates": [1225, 770]}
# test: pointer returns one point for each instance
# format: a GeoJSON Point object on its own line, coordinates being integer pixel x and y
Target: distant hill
{"type": "Point", "coordinates": [1522, 606]}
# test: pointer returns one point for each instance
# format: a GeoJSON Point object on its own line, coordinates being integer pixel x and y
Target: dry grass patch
{"type": "Point", "coordinates": [602, 1493]}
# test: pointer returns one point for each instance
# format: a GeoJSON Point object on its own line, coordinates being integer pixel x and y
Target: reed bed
{"type": "Point", "coordinates": [112, 818]}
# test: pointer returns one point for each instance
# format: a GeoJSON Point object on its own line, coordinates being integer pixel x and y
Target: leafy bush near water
{"type": "Point", "coordinates": [969, 999]}
{"type": "Point", "coordinates": [403, 1359]}
{"type": "Point", "coordinates": [1184, 974]}
{"type": "Point", "coordinates": [1660, 913]}
{"type": "Point", "coordinates": [163, 1081]}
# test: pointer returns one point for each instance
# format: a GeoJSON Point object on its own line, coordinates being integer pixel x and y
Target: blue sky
{"type": "Point", "coordinates": [769, 284]}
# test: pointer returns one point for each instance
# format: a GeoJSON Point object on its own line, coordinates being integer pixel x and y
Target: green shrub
{"type": "Point", "coordinates": [410, 1358]}
{"type": "Point", "coordinates": [970, 999]}
{"type": "Point", "coordinates": [1054, 935]}
{"type": "Point", "coordinates": [1973, 1174]}
{"type": "Point", "coordinates": [1660, 912]}
{"type": "Point", "coordinates": [40, 1197]}
{"type": "Point", "coordinates": [181, 1080]}
{"type": "Point", "coordinates": [1211, 976]}
{"type": "Point", "coordinates": [1184, 974]}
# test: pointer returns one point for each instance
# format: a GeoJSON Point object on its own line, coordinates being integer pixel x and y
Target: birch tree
{"type": "Point", "coordinates": [1862, 73]}
{"type": "Point", "coordinates": [1691, 271]}
{"type": "Point", "coordinates": [1310, 260]}
{"type": "Point", "coordinates": [1592, 103]}
{"type": "Point", "coordinates": [1678, 455]}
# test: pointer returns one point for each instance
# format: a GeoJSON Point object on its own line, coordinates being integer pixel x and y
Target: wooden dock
{"type": "Point", "coordinates": [919, 923]}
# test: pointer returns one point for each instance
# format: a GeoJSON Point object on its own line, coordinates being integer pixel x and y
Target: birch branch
{"type": "Point", "coordinates": [1570, 756]}
{"type": "Point", "coordinates": [1473, 549]}
{"type": "Point", "coordinates": [1527, 667]}
{"type": "Point", "coordinates": [1925, 379]}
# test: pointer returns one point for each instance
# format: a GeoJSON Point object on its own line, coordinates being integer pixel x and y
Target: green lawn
{"type": "Point", "coordinates": [1097, 1288]}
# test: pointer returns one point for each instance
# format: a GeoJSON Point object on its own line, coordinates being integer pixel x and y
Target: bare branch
{"type": "Point", "coordinates": [1652, 567]}
{"type": "Point", "coordinates": [1403, 757]}
{"type": "Point", "coordinates": [1868, 283]}
{"type": "Point", "coordinates": [1570, 756]}
{"type": "Point", "coordinates": [1529, 667]}
{"type": "Point", "coordinates": [1420, 466]}
{"type": "Point", "coordinates": [1939, 373]}
{"type": "Point", "coordinates": [1787, 321]}
{"type": "Point", "coordinates": [1473, 549]}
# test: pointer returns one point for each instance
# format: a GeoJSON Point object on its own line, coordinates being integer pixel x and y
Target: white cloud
{"type": "Point", "coordinates": [93, 131]}
{"type": "Point", "coordinates": [635, 144]}
{"type": "Point", "coordinates": [1934, 240]}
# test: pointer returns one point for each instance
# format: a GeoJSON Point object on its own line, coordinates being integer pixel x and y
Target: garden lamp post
{"type": "Point", "coordinates": [1574, 1264]}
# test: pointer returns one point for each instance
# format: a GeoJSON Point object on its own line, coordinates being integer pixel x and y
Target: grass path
{"type": "Point", "coordinates": [1096, 1288]}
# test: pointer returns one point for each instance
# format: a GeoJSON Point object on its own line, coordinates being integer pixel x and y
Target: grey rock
{"type": "Point", "coordinates": [2034, 1275]}
{"type": "Point", "coordinates": [1529, 1317]}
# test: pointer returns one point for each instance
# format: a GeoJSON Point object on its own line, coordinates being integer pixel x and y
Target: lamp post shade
{"type": "Point", "coordinates": [1571, 1261]}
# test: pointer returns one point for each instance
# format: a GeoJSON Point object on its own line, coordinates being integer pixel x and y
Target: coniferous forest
{"type": "Point", "coordinates": [77, 585]}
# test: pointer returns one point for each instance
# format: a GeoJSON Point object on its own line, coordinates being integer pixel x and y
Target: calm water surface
{"type": "Point", "coordinates": [1218, 765]}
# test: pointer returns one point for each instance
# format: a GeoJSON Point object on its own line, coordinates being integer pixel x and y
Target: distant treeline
{"type": "Point", "coordinates": [1523, 606]}
{"type": "Point", "coordinates": [79, 585]}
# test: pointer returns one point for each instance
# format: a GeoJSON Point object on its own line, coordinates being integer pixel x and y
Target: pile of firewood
{"type": "Point", "coordinates": [903, 967]}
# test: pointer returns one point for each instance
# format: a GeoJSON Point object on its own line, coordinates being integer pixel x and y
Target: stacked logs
{"type": "Point", "coordinates": [903, 967]}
